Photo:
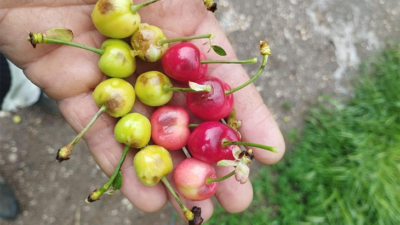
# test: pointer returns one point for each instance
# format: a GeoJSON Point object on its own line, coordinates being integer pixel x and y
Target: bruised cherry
{"type": "Point", "coordinates": [152, 163]}
{"type": "Point", "coordinates": [116, 94]}
{"type": "Point", "coordinates": [116, 60]}
{"type": "Point", "coordinates": [190, 177]}
{"type": "Point", "coordinates": [170, 127]}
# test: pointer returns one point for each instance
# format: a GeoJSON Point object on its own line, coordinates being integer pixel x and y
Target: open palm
{"type": "Point", "coordinates": [69, 75]}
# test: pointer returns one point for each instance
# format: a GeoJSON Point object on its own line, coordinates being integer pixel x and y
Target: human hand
{"type": "Point", "coordinates": [69, 75]}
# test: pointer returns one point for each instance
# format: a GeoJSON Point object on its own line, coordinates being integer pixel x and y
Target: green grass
{"type": "Point", "coordinates": [345, 167]}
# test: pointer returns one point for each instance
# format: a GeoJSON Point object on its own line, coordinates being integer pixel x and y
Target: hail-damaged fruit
{"type": "Point", "coordinates": [149, 42]}
{"type": "Point", "coordinates": [114, 96]}
{"type": "Point", "coordinates": [117, 18]}
{"type": "Point", "coordinates": [152, 163]}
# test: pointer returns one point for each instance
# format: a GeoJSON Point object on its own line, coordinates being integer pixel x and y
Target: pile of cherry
{"type": "Point", "coordinates": [209, 98]}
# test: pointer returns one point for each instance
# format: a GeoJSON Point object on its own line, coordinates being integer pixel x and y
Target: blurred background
{"type": "Point", "coordinates": [332, 84]}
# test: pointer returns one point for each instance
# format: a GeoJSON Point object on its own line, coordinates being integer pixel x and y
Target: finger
{"type": "Point", "coordinates": [233, 196]}
{"type": "Point", "coordinates": [107, 151]}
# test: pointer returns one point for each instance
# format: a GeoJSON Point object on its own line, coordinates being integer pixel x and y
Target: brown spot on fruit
{"type": "Point", "coordinates": [143, 79]}
{"type": "Point", "coordinates": [120, 56]}
{"type": "Point", "coordinates": [105, 6]}
{"type": "Point", "coordinates": [155, 179]}
{"type": "Point", "coordinates": [113, 104]}
{"type": "Point", "coordinates": [155, 80]}
{"type": "Point", "coordinates": [134, 143]}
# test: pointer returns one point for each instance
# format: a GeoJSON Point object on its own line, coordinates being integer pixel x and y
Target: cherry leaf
{"type": "Point", "coordinates": [118, 181]}
{"type": "Point", "coordinates": [61, 34]}
{"type": "Point", "coordinates": [219, 50]}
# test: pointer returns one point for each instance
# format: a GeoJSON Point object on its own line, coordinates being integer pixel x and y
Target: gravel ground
{"type": "Point", "coordinates": [316, 47]}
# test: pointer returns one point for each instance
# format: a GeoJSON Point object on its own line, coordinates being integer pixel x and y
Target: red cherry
{"type": "Point", "coordinates": [212, 105]}
{"type": "Point", "coordinates": [203, 66]}
{"type": "Point", "coordinates": [190, 178]}
{"type": "Point", "coordinates": [182, 63]}
{"type": "Point", "coordinates": [206, 142]}
{"type": "Point", "coordinates": [170, 127]}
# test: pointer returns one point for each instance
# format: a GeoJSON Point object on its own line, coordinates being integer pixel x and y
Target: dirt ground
{"type": "Point", "coordinates": [316, 47]}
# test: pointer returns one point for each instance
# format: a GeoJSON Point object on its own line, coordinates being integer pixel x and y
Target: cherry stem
{"type": "Point", "coordinates": [193, 125]}
{"type": "Point", "coordinates": [243, 61]}
{"type": "Point", "coordinates": [165, 41]}
{"type": "Point", "coordinates": [167, 89]}
{"type": "Point", "coordinates": [135, 8]}
{"type": "Point", "coordinates": [263, 64]}
{"type": "Point", "coordinates": [95, 195]}
{"type": "Point", "coordinates": [64, 152]}
{"type": "Point", "coordinates": [70, 43]}
{"type": "Point", "coordinates": [188, 214]}
{"type": "Point", "coordinates": [187, 154]}
{"type": "Point", "coordinates": [218, 179]}
{"type": "Point", "coordinates": [266, 147]}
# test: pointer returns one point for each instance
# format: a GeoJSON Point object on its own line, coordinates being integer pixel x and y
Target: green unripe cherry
{"type": "Point", "coordinates": [146, 45]}
{"type": "Point", "coordinates": [116, 60]}
{"type": "Point", "coordinates": [152, 163]}
{"type": "Point", "coordinates": [133, 130]}
{"type": "Point", "coordinates": [116, 94]}
{"type": "Point", "coordinates": [152, 88]}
